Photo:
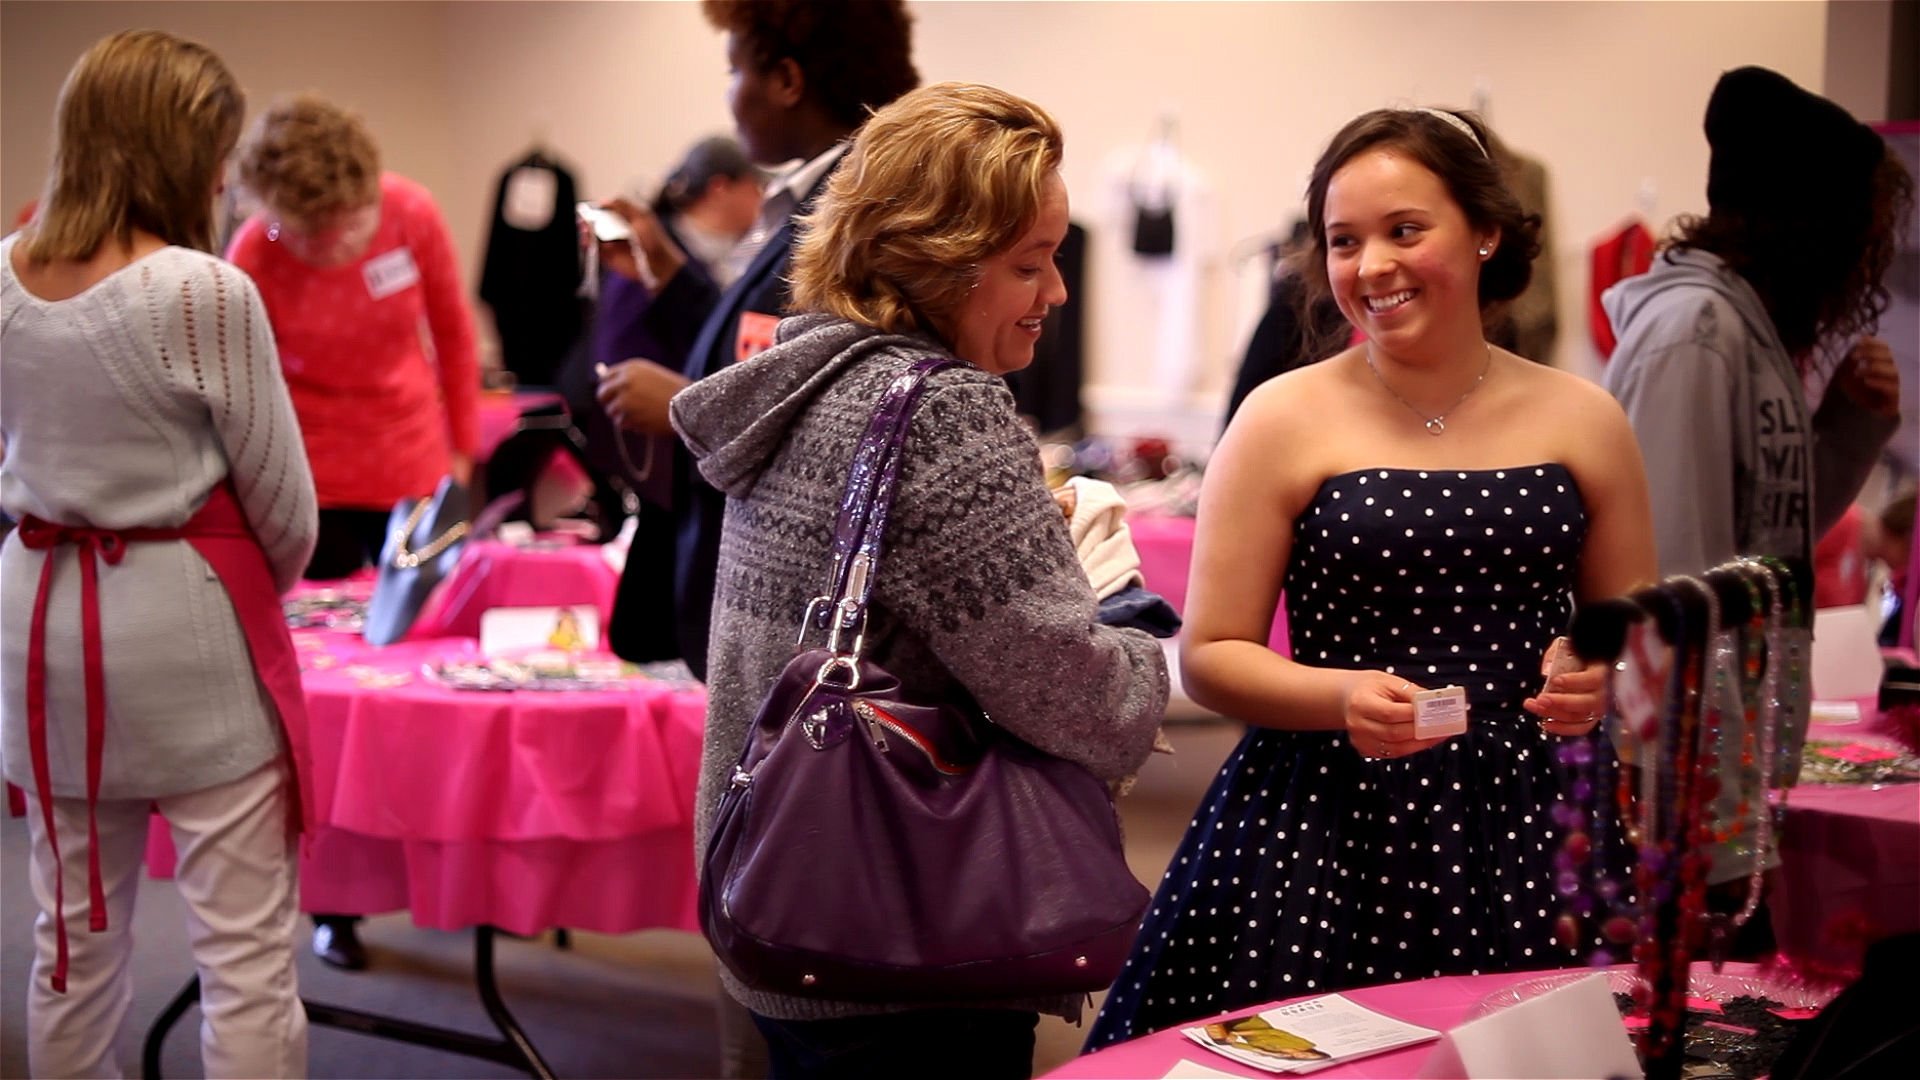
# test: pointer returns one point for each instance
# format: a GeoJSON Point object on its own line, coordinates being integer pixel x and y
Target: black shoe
{"type": "Point", "coordinates": [337, 945]}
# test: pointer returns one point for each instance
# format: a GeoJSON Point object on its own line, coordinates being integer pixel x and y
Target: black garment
{"type": "Point", "coordinates": [1869, 1029]}
{"type": "Point", "coordinates": [961, 1044]}
{"type": "Point", "coordinates": [348, 541]}
{"type": "Point", "coordinates": [1283, 342]}
{"type": "Point", "coordinates": [1310, 869]}
{"type": "Point", "coordinates": [617, 330]}
{"type": "Point", "coordinates": [1049, 389]}
{"type": "Point", "coordinates": [531, 280]}
{"type": "Point", "coordinates": [642, 627]}
{"type": "Point", "coordinates": [691, 317]}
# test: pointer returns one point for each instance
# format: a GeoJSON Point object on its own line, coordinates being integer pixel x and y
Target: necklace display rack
{"type": "Point", "coordinates": [1726, 678]}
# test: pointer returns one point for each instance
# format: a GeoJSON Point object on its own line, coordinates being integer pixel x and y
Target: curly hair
{"type": "Point", "coordinates": [939, 180]}
{"type": "Point", "coordinates": [141, 134]}
{"type": "Point", "coordinates": [1818, 269]}
{"type": "Point", "coordinates": [1472, 178]}
{"type": "Point", "coordinates": [307, 157]}
{"type": "Point", "coordinates": [856, 57]}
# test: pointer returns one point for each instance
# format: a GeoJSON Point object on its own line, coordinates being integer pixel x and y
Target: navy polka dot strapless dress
{"type": "Point", "coordinates": [1308, 869]}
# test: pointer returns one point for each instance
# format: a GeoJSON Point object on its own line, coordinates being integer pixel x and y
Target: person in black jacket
{"type": "Point", "coordinates": [805, 75]}
{"type": "Point", "coordinates": [705, 206]}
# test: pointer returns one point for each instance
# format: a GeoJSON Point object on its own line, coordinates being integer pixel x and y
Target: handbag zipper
{"type": "Point", "coordinates": [878, 719]}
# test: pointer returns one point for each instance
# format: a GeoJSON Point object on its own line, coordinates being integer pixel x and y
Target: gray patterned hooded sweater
{"type": "Point", "coordinates": [978, 586]}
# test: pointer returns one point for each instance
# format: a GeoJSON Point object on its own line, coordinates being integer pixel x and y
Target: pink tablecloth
{"type": "Point", "coordinates": [1849, 862]}
{"type": "Point", "coordinates": [491, 574]}
{"type": "Point", "coordinates": [1165, 545]}
{"type": "Point", "coordinates": [499, 412]}
{"type": "Point", "coordinates": [522, 810]}
{"type": "Point", "coordinates": [1439, 1004]}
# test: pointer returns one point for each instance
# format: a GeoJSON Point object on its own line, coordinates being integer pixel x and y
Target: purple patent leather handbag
{"type": "Point", "coordinates": [877, 846]}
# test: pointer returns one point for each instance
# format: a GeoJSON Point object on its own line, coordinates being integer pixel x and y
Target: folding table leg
{"type": "Point", "coordinates": [513, 1049]}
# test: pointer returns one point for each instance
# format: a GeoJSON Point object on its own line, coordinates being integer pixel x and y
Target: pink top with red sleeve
{"type": "Point", "coordinates": [379, 354]}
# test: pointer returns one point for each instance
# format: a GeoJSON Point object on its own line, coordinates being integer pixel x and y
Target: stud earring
{"type": "Point", "coordinates": [1485, 251]}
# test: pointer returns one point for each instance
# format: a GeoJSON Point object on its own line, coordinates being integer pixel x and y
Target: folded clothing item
{"type": "Point", "coordinates": [1142, 610]}
{"type": "Point", "coordinates": [1098, 526]}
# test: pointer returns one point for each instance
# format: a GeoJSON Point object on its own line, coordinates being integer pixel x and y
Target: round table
{"type": "Point", "coordinates": [522, 810]}
{"type": "Point", "coordinates": [511, 810]}
{"type": "Point", "coordinates": [1849, 860]}
{"type": "Point", "coordinates": [492, 574]}
{"type": "Point", "coordinates": [1439, 1004]}
{"type": "Point", "coordinates": [1165, 545]}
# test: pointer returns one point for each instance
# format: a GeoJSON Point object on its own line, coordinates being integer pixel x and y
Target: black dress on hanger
{"type": "Point", "coordinates": [531, 279]}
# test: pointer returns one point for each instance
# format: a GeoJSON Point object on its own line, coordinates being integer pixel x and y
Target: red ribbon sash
{"type": "Point", "coordinates": [220, 534]}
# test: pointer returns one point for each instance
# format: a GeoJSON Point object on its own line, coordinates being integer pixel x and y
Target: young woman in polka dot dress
{"type": "Point", "coordinates": [1433, 507]}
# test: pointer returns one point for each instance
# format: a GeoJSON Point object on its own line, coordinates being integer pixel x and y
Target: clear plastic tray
{"type": "Point", "coordinates": [1703, 983]}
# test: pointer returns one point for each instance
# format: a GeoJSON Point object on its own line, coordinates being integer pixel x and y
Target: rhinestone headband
{"type": "Point", "coordinates": [1457, 124]}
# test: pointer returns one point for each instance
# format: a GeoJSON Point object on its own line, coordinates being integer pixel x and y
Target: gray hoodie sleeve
{"type": "Point", "coordinates": [1679, 391]}
{"type": "Point", "coordinates": [980, 565]}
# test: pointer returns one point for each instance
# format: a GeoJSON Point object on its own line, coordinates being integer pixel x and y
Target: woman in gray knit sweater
{"type": "Point", "coordinates": [935, 237]}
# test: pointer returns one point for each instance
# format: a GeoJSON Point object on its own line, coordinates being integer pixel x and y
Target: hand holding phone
{"type": "Point", "coordinates": [607, 226]}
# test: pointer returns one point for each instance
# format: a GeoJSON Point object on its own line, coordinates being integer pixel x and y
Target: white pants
{"type": "Point", "coordinates": [236, 872]}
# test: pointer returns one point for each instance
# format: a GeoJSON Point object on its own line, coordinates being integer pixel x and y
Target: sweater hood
{"type": "Point", "coordinates": [732, 422]}
{"type": "Point", "coordinates": [1647, 294]}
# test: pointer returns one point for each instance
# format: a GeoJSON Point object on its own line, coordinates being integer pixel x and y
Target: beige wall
{"type": "Point", "coordinates": [1859, 33]}
{"type": "Point", "coordinates": [1608, 94]}
{"type": "Point", "coordinates": [387, 60]}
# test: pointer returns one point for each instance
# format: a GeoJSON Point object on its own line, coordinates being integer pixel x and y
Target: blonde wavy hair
{"type": "Point", "coordinates": [306, 157]}
{"type": "Point", "coordinates": [941, 179]}
{"type": "Point", "coordinates": [142, 131]}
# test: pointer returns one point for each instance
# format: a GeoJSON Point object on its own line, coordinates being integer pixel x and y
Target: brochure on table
{"type": "Point", "coordinates": [1307, 1035]}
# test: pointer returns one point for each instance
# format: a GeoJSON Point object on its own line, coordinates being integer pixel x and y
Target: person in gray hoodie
{"type": "Point", "coordinates": [935, 238]}
{"type": "Point", "coordinates": [1717, 339]}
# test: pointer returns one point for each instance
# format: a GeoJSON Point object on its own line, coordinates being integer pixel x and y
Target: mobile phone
{"type": "Point", "coordinates": [607, 226]}
{"type": "Point", "coordinates": [1558, 660]}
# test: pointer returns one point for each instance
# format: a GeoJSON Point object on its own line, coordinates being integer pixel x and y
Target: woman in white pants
{"type": "Point", "coordinates": [164, 502]}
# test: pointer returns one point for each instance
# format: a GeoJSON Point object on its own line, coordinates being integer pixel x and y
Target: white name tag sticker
{"type": "Point", "coordinates": [390, 273]}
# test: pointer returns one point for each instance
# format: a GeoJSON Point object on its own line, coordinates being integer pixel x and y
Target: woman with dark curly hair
{"type": "Point", "coordinates": [1717, 341]}
{"type": "Point", "coordinates": [1436, 534]}
{"type": "Point", "coordinates": [1804, 207]}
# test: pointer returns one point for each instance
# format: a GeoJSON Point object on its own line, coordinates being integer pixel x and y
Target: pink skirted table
{"type": "Point", "coordinates": [1440, 1004]}
{"type": "Point", "coordinates": [522, 810]}
{"type": "Point", "coordinates": [1849, 861]}
{"type": "Point", "coordinates": [516, 810]}
{"type": "Point", "coordinates": [1165, 545]}
{"type": "Point", "coordinates": [500, 412]}
{"type": "Point", "coordinates": [493, 574]}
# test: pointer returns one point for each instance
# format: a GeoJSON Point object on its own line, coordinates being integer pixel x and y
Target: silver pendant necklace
{"type": "Point", "coordinates": [1436, 425]}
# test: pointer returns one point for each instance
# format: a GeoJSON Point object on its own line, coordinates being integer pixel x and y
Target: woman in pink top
{"type": "Point", "coordinates": [375, 335]}
{"type": "Point", "coordinates": [357, 273]}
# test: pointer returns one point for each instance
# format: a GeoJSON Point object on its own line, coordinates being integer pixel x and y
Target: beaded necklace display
{"type": "Point", "coordinates": [1662, 989]}
{"type": "Point", "coordinates": [1714, 693]}
{"type": "Point", "coordinates": [1761, 685]}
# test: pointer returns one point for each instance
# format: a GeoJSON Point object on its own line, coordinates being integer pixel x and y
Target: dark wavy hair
{"type": "Point", "coordinates": [856, 56]}
{"type": "Point", "coordinates": [1472, 178]}
{"type": "Point", "coordinates": [1817, 268]}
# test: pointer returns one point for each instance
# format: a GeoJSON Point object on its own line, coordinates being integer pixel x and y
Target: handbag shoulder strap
{"type": "Point", "coordinates": [866, 503]}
